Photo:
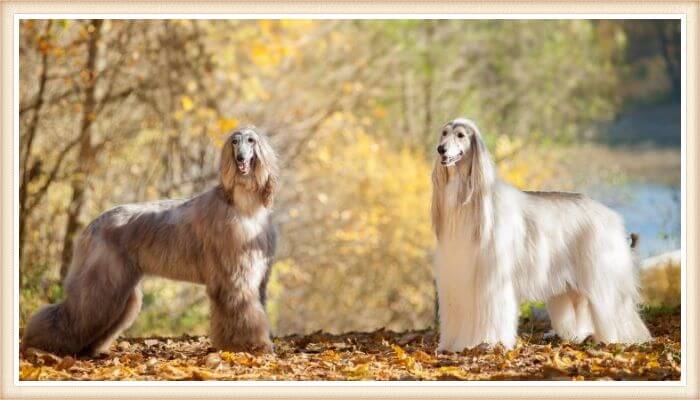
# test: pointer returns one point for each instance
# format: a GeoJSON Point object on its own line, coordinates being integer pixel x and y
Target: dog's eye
{"type": "Point", "coordinates": [444, 133]}
{"type": "Point", "coordinates": [460, 135]}
{"type": "Point", "coordinates": [251, 140]}
{"type": "Point", "coordinates": [235, 141]}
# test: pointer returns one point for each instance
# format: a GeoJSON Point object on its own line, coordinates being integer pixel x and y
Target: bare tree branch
{"type": "Point", "coordinates": [31, 133]}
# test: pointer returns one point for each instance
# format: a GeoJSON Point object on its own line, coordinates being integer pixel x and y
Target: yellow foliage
{"type": "Point", "coordinates": [276, 41]}
{"type": "Point", "coordinates": [187, 103]}
{"type": "Point", "coordinates": [226, 124]}
{"type": "Point", "coordinates": [375, 233]}
{"type": "Point", "coordinates": [379, 112]}
{"type": "Point", "coordinates": [265, 26]}
{"type": "Point", "coordinates": [263, 56]}
{"type": "Point", "coordinates": [244, 359]}
{"type": "Point", "coordinates": [253, 90]}
{"type": "Point", "coordinates": [299, 26]}
{"type": "Point", "coordinates": [524, 167]}
{"type": "Point", "coordinates": [661, 286]}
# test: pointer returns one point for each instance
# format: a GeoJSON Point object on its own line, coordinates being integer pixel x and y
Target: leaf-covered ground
{"type": "Point", "coordinates": [379, 355]}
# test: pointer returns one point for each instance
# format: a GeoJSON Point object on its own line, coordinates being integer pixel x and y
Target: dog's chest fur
{"type": "Point", "coordinates": [250, 218]}
{"type": "Point", "coordinates": [249, 226]}
{"type": "Point", "coordinates": [454, 248]}
{"type": "Point", "coordinates": [453, 223]}
{"type": "Point", "coordinates": [452, 188]}
{"type": "Point", "coordinates": [246, 259]}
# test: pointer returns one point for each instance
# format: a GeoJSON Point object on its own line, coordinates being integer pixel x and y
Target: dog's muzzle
{"type": "Point", "coordinates": [451, 160]}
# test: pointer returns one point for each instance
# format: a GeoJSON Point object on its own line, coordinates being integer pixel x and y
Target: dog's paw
{"type": "Point", "coordinates": [549, 335]}
{"type": "Point", "coordinates": [484, 346]}
{"type": "Point", "coordinates": [266, 347]}
{"type": "Point", "coordinates": [442, 348]}
{"type": "Point", "coordinates": [261, 347]}
{"type": "Point", "coordinates": [100, 353]}
{"type": "Point", "coordinates": [508, 344]}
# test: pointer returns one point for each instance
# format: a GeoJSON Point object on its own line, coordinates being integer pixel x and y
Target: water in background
{"type": "Point", "coordinates": [651, 210]}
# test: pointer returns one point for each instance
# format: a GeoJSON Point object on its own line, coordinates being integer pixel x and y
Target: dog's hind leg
{"type": "Point", "coordinates": [584, 320]}
{"type": "Point", "coordinates": [631, 327]}
{"type": "Point", "coordinates": [98, 288]}
{"type": "Point", "coordinates": [617, 320]}
{"type": "Point", "coordinates": [127, 318]}
{"type": "Point", "coordinates": [613, 295]}
{"type": "Point", "coordinates": [562, 313]}
{"type": "Point", "coordinates": [570, 316]}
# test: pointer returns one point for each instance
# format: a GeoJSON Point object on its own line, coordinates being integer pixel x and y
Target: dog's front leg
{"type": "Point", "coordinates": [450, 314]}
{"type": "Point", "coordinates": [238, 319]}
{"type": "Point", "coordinates": [493, 319]}
{"type": "Point", "coordinates": [455, 309]}
{"type": "Point", "coordinates": [493, 312]}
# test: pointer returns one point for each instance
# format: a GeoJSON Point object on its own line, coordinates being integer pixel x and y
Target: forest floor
{"type": "Point", "coordinates": [378, 355]}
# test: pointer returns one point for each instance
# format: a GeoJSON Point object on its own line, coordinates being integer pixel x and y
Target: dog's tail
{"type": "Point", "coordinates": [634, 240]}
{"type": "Point", "coordinates": [634, 248]}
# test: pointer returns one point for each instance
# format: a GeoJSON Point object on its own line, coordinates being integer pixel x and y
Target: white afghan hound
{"type": "Point", "coordinates": [222, 238]}
{"type": "Point", "coordinates": [498, 246]}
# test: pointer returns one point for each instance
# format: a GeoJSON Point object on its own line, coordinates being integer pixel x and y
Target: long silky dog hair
{"type": "Point", "coordinates": [498, 246]}
{"type": "Point", "coordinates": [222, 238]}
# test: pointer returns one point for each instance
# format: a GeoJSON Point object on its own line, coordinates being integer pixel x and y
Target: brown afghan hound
{"type": "Point", "coordinates": [222, 238]}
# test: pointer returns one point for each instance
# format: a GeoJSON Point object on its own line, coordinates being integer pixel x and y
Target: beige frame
{"type": "Point", "coordinates": [687, 388]}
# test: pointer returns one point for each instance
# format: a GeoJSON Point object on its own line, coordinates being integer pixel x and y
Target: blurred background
{"type": "Point", "coordinates": [118, 111]}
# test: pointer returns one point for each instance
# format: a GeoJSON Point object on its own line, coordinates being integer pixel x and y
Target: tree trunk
{"type": "Point", "coordinates": [428, 82]}
{"type": "Point", "coordinates": [405, 122]}
{"type": "Point", "coordinates": [428, 117]}
{"type": "Point", "coordinates": [669, 39]}
{"type": "Point", "coordinates": [85, 153]}
{"type": "Point", "coordinates": [30, 173]}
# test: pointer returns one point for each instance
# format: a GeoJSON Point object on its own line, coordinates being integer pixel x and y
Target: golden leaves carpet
{"type": "Point", "coordinates": [379, 355]}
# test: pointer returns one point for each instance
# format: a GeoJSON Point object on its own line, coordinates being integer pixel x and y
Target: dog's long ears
{"type": "Point", "coordinates": [439, 178]}
{"type": "Point", "coordinates": [266, 170]}
{"type": "Point", "coordinates": [227, 173]}
{"type": "Point", "coordinates": [480, 174]}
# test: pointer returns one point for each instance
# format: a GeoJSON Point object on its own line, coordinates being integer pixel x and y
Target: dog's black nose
{"type": "Point", "coordinates": [441, 149]}
{"type": "Point", "coordinates": [240, 159]}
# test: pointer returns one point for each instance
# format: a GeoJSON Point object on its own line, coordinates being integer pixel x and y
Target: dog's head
{"type": "Point", "coordinates": [462, 152]}
{"type": "Point", "coordinates": [248, 159]}
{"type": "Point", "coordinates": [461, 155]}
{"type": "Point", "coordinates": [457, 138]}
